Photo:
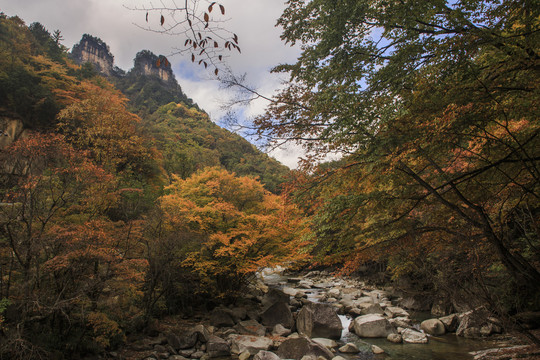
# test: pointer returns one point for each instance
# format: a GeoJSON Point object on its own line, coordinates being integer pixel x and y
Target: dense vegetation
{"type": "Point", "coordinates": [435, 106]}
{"type": "Point", "coordinates": [108, 218]}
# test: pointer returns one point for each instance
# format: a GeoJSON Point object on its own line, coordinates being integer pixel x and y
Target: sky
{"type": "Point", "coordinates": [113, 22]}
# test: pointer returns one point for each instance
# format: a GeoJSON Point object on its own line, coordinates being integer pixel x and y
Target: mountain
{"type": "Point", "coordinates": [42, 80]}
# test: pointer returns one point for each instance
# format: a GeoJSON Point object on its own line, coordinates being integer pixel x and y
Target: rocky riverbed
{"type": "Point", "coordinates": [318, 316]}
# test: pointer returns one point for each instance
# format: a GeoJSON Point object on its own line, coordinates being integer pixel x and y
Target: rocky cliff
{"type": "Point", "coordinates": [96, 51]}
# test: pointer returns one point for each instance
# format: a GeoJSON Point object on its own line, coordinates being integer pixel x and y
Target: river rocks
{"type": "Point", "coordinates": [216, 347]}
{"type": "Point", "coordinates": [450, 322]}
{"type": "Point", "coordinates": [394, 311]}
{"type": "Point", "coordinates": [319, 320]}
{"type": "Point", "coordinates": [183, 341]}
{"type": "Point", "coordinates": [274, 296]}
{"type": "Point", "coordinates": [394, 338]}
{"type": "Point", "coordinates": [265, 355]}
{"type": "Point", "coordinates": [349, 348]}
{"type": "Point", "coordinates": [280, 330]}
{"type": "Point", "coordinates": [377, 350]}
{"type": "Point", "coordinates": [279, 313]}
{"type": "Point", "coordinates": [250, 327]}
{"type": "Point", "coordinates": [252, 344]}
{"type": "Point", "coordinates": [372, 326]}
{"type": "Point", "coordinates": [413, 337]}
{"type": "Point", "coordinates": [433, 327]}
{"type": "Point", "coordinates": [477, 324]}
{"type": "Point", "coordinates": [327, 343]}
{"type": "Point", "coordinates": [372, 309]}
{"type": "Point", "coordinates": [221, 317]}
{"type": "Point", "coordinates": [297, 348]}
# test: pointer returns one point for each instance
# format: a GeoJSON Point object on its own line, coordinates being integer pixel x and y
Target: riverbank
{"type": "Point", "coordinates": [314, 315]}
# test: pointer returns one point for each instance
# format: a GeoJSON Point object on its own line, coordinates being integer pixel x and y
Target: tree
{"type": "Point", "coordinates": [241, 228]}
{"type": "Point", "coordinates": [433, 105]}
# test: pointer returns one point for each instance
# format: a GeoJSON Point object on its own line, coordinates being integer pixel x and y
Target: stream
{"type": "Point", "coordinates": [446, 347]}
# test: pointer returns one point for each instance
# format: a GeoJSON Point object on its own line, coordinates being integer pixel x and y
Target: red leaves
{"type": "Point", "coordinates": [162, 20]}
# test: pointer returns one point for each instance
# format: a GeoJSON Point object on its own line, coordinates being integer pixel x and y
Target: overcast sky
{"type": "Point", "coordinates": [253, 20]}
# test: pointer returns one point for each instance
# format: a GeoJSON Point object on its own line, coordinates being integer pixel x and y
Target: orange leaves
{"type": "Point", "coordinates": [246, 226]}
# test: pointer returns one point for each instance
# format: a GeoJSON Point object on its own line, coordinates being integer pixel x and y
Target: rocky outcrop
{"type": "Point", "coordinates": [95, 51]}
{"type": "Point", "coordinates": [148, 64]}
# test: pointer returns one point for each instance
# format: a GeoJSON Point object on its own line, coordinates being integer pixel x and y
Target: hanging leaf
{"type": "Point", "coordinates": [216, 44]}
{"type": "Point", "coordinates": [206, 26]}
{"type": "Point", "coordinates": [211, 7]}
{"type": "Point", "coordinates": [147, 16]}
{"type": "Point", "coordinates": [162, 20]}
{"type": "Point", "coordinates": [235, 38]}
{"type": "Point", "coordinates": [201, 52]}
{"type": "Point", "coordinates": [205, 64]}
{"type": "Point", "coordinates": [200, 36]}
{"type": "Point", "coordinates": [227, 44]}
{"type": "Point", "coordinates": [187, 42]}
{"type": "Point", "coordinates": [200, 61]}
{"type": "Point", "coordinates": [220, 57]}
{"type": "Point", "coordinates": [216, 71]}
{"type": "Point", "coordinates": [189, 23]}
{"type": "Point", "coordinates": [192, 58]}
{"type": "Point", "coordinates": [194, 45]}
{"type": "Point", "coordinates": [206, 17]}
{"type": "Point", "coordinates": [238, 48]}
{"type": "Point", "coordinates": [222, 8]}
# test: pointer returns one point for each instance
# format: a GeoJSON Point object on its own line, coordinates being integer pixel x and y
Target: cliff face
{"type": "Point", "coordinates": [93, 50]}
{"type": "Point", "coordinates": [148, 64]}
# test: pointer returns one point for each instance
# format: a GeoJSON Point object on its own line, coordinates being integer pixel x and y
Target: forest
{"type": "Point", "coordinates": [122, 203]}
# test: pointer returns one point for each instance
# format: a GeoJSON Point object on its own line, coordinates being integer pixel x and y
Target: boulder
{"type": "Point", "coordinates": [327, 343]}
{"type": "Point", "coordinates": [372, 326]}
{"type": "Point", "coordinates": [450, 322]}
{"type": "Point", "coordinates": [413, 337]}
{"type": "Point", "coordinates": [477, 324]}
{"type": "Point", "coordinates": [238, 314]}
{"type": "Point", "coordinates": [265, 355]}
{"type": "Point", "coordinates": [394, 311]}
{"type": "Point", "coordinates": [202, 333]}
{"type": "Point", "coordinates": [296, 348]}
{"type": "Point", "coordinates": [221, 317]}
{"type": "Point", "coordinates": [217, 347]}
{"type": "Point", "coordinates": [319, 320]}
{"type": "Point", "coordinates": [279, 313]}
{"type": "Point", "coordinates": [182, 341]}
{"type": "Point", "coordinates": [376, 349]}
{"type": "Point", "coordinates": [433, 327]}
{"type": "Point", "coordinates": [349, 348]}
{"type": "Point", "coordinates": [372, 309]}
{"type": "Point", "coordinates": [253, 344]}
{"type": "Point", "coordinates": [280, 330]}
{"type": "Point", "coordinates": [394, 338]}
{"type": "Point", "coordinates": [334, 293]}
{"type": "Point", "coordinates": [250, 327]}
{"type": "Point", "coordinates": [274, 296]}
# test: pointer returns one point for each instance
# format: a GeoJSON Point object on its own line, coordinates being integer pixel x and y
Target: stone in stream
{"type": "Point", "coordinates": [394, 311]}
{"type": "Point", "coordinates": [305, 284]}
{"type": "Point", "coordinates": [202, 333]}
{"type": "Point", "coordinates": [413, 337]}
{"type": "Point", "coordinates": [450, 322]}
{"type": "Point", "coordinates": [253, 344]}
{"type": "Point", "coordinates": [433, 327]}
{"type": "Point", "coordinates": [376, 349]}
{"type": "Point", "coordinates": [319, 320]}
{"type": "Point", "coordinates": [334, 293]}
{"type": "Point", "coordinates": [349, 348]}
{"type": "Point", "coordinates": [250, 327]}
{"type": "Point", "coordinates": [279, 313]}
{"type": "Point", "coordinates": [372, 309]}
{"type": "Point", "coordinates": [371, 326]}
{"type": "Point", "coordinates": [297, 348]}
{"type": "Point", "coordinates": [394, 338]}
{"type": "Point", "coordinates": [265, 355]}
{"type": "Point", "coordinates": [327, 343]}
